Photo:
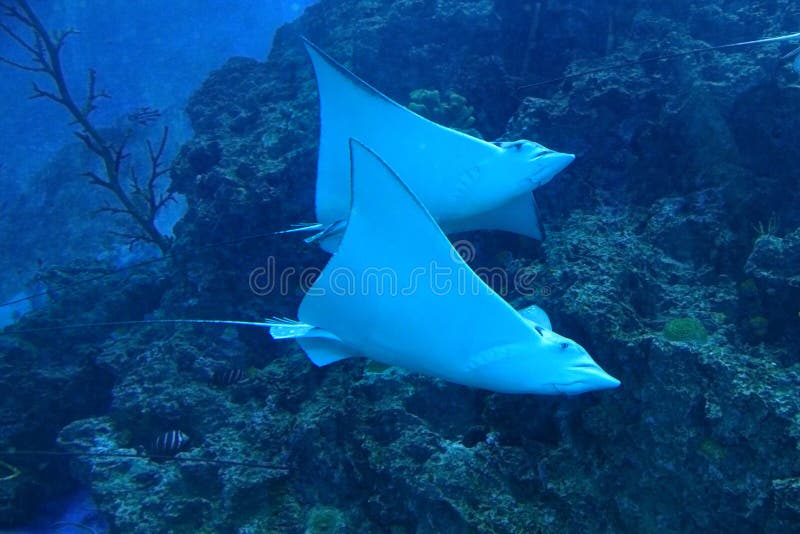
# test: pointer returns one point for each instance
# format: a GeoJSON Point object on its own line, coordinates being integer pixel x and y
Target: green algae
{"type": "Point", "coordinates": [748, 289]}
{"type": "Point", "coordinates": [759, 327]}
{"type": "Point", "coordinates": [685, 329]}
{"type": "Point", "coordinates": [325, 520]}
{"type": "Point", "coordinates": [376, 367]}
{"type": "Point", "coordinates": [451, 109]}
{"type": "Point", "coordinates": [712, 450]}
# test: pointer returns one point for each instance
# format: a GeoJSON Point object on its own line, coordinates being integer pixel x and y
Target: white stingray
{"type": "Point", "coordinates": [466, 183]}
{"type": "Point", "coordinates": [397, 292]}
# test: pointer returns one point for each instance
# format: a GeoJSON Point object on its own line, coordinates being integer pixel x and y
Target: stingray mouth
{"type": "Point", "coordinates": [564, 385]}
{"type": "Point", "coordinates": [543, 153]}
{"type": "Point", "coordinates": [593, 378]}
{"type": "Point", "coordinates": [568, 388]}
{"type": "Point", "coordinates": [553, 158]}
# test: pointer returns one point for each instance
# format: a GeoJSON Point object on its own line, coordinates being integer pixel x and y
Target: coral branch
{"type": "Point", "coordinates": [142, 204]}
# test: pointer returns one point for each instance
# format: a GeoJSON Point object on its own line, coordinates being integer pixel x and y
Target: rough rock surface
{"type": "Point", "coordinates": [657, 220]}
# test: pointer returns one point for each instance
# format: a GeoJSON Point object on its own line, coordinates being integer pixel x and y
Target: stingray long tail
{"type": "Point", "coordinates": [328, 236]}
{"type": "Point", "coordinates": [303, 227]}
{"type": "Point", "coordinates": [283, 328]}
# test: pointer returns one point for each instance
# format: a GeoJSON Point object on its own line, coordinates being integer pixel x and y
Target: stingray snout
{"type": "Point", "coordinates": [548, 163]}
{"type": "Point", "coordinates": [587, 375]}
{"type": "Point", "coordinates": [555, 160]}
{"type": "Point", "coordinates": [593, 377]}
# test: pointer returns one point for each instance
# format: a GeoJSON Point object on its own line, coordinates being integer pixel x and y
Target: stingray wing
{"type": "Point", "coordinates": [519, 215]}
{"type": "Point", "coordinates": [428, 156]}
{"type": "Point", "coordinates": [397, 291]}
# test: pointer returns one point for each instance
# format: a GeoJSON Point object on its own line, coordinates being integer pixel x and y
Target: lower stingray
{"type": "Point", "coordinates": [466, 183]}
{"type": "Point", "coordinates": [397, 292]}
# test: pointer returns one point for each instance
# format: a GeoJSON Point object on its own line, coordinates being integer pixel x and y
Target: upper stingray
{"type": "Point", "coordinates": [396, 291]}
{"type": "Point", "coordinates": [466, 183]}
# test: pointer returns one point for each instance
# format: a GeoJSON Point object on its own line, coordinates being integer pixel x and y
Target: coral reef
{"type": "Point", "coordinates": [452, 111]}
{"type": "Point", "coordinates": [685, 329]}
{"type": "Point", "coordinates": [773, 262]}
{"type": "Point", "coordinates": [650, 241]}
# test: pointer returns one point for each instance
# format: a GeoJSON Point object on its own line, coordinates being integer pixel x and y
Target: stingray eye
{"type": "Point", "coordinates": [539, 330]}
{"type": "Point", "coordinates": [564, 346]}
{"type": "Point", "coordinates": [518, 146]}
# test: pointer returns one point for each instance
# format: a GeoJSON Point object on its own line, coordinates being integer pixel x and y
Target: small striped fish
{"type": "Point", "coordinates": [227, 377]}
{"type": "Point", "coordinates": [171, 442]}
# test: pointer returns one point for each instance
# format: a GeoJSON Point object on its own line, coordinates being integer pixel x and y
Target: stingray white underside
{"type": "Point", "coordinates": [456, 176]}
{"type": "Point", "coordinates": [410, 324]}
{"type": "Point", "coordinates": [324, 348]}
{"type": "Point", "coordinates": [396, 291]}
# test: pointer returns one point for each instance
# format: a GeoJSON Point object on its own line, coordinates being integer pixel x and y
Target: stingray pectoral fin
{"type": "Point", "coordinates": [422, 152]}
{"type": "Point", "coordinates": [283, 328]}
{"type": "Point", "coordinates": [520, 215]}
{"type": "Point", "coordinates": [321, 347]}
{"type": "Point", "coordinates": [536, 315]}
{"type": "Point", "coordinates": [302, 227]}
{"type": "Point", "coordinates": [330, 243]}
{"type": "Point", "coordinates": [330, 236]}
{"type": "Point", "coordinates": [396, 288]}
{"type": "Point", "coordinates": [324, 350]}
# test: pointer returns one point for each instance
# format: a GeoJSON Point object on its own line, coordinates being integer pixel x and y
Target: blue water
{"type": "Point", "coordinates": [147, 52]}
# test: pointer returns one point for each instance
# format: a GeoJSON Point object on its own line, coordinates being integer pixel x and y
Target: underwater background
{"type": "Point", "coordinates": [672, 254]}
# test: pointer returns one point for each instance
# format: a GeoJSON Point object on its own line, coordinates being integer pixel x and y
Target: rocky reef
{"type": "Point", "coordinates": [671, 255]}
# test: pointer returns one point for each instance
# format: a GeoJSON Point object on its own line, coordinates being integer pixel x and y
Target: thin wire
{"type": "Point", "coordinates": [8, 332]}
{"type": "Point", "coordinates": [189, 253]}
{"type": "Point", "coordinates": [660, 58]}
{"type": "Point", "coordinates": [232, 463]}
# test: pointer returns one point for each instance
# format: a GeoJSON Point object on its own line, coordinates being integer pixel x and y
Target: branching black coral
{"type": "Point", "coordinates": [140, 199]}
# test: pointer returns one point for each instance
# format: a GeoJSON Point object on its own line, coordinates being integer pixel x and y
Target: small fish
{"type": "Point", "coordinates": [171, 442]}
{"type": "Point", "coordinates": [227, 377]}
{"type": "Point", "coordinates": [144, 115]}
